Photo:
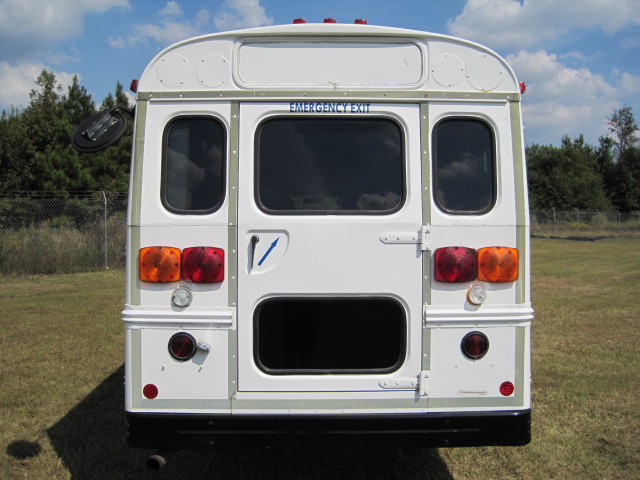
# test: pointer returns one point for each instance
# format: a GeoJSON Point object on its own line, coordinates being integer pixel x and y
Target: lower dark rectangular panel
{"type": "Point", "coordinates": [425, 430]}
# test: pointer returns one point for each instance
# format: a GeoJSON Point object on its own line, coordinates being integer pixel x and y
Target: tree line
{"type": "Point", "coordinates": [577, 175]}
{"type": "Point", "coordinates": [36, 155]}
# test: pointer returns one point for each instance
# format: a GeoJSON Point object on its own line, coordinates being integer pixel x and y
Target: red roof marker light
{"type": "Point", "coordinates": [523, 88]}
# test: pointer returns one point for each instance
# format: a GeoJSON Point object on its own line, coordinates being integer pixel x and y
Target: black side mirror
{"type": "Point", "coordinates": [101, 130]}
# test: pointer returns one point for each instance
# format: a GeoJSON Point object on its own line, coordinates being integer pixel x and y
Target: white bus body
{"type": "Point", "coordinates": [328, 241]}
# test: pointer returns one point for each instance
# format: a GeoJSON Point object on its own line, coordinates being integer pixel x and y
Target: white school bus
{"type": "Point", "coordinates": [328, 242]}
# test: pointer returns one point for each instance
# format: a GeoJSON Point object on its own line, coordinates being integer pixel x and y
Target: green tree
{"type": "Point", "coordinates": [623, 126]}
{"type": "Point", "coordinates": [621, 167]}
{"type": "Point", "coordinates": [65, 169]}
{"type": "Point", "coordinates": [39, 122]}
{"type": "Point", "coordinates": [13, 175]}
{"type": "Point", "coordinates": [567, 177]}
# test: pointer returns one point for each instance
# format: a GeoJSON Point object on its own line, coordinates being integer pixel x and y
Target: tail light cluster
{"type": "Point", "coordinates": [169, 264]}
{"type": "Point", "coordinates": [490, 264]}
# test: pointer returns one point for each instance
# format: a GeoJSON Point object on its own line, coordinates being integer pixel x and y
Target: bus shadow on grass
{"type": "Point", "coordinates": [90, 440]}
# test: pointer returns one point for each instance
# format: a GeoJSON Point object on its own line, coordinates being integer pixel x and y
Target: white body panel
{"type": "Point", "coordinates": [242, 79]}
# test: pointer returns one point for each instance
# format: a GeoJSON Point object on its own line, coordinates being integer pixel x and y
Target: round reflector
{"type": "Point", "coordinates": [475, 345]}
{"type": "Point", "coordinates": [182, 346]}
{"type": "Point", "coordinates": [150, 391]}
{"type": "Point", "coordinates": [507, 389]}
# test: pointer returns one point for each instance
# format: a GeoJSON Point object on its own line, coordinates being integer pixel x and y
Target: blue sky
{"type": "Point", "coordinates": [580, 59]}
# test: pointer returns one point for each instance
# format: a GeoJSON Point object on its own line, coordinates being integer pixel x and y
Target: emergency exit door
{"type": "Point", "coordinates": [327, 301]}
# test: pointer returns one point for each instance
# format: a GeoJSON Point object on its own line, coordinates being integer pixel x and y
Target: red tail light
{"type": "Point", "coordinates": [475, 345]}
{"type": "Point", "coordinates": [455, 264]}
{"type": "Point", "coordinates": [203, 265]}
{"type": "Point", "coordinates": [329, 20]}
{"type": "Point", "coordinates": [182, 346]}
{"type": "Point", "coordinates": [159, 264]}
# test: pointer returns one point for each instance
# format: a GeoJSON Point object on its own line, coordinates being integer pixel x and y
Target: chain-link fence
{"type": "Point", "coordinates": [583, 223]}
{"type": "Point", "coordinates": [61, 234]}
{"type": "Point", "coordinates": [42, 234]}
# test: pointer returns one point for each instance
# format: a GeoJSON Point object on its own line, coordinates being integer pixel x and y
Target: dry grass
{"type": "Point", "coordinates": [61, 350]}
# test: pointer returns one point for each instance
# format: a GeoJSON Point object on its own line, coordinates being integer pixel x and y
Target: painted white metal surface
{"type": "Point", "coordinates": [327, 255]}
{"type": "Point", "coordinates": [314, 63]}
{"type": "Point", "coordinates": [327, 57]}
{"type": "Point", "coordinates": [370, 255]}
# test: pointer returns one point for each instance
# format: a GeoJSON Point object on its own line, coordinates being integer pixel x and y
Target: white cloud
{"type": "Point", "coordinates": [172, 9]}
{"type": "Point", "coordinates": [630, 83]}
{"type": "Point", "coordinates": [168, 30]}
{"type": "Point", "coordinates": [28, 28]}
{"type": "Point", "coordinates": [562, 100]}
{"type": "Point", "coordinates": [241, 14]}
{"type": "Point", "coordinates": [17, 81]}
{"type": "Point", "coordinates": [530, 23]}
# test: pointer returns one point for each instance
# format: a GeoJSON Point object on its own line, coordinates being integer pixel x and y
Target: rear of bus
{"type": "Point", "coordinates": [328, 243]}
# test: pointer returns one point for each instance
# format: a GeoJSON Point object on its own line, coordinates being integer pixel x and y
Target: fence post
{"type": "Point", "coordinates": [106, 234]}
{"type": "Point", "coordinates": [554, 220]}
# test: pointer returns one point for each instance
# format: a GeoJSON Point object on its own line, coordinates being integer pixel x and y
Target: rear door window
{"type": "Point", "coordinates": [193, 165]}
{"type": "Point", "coordinates": [330, 166]}
{"type": "Point", "coordinates": [464, 166]}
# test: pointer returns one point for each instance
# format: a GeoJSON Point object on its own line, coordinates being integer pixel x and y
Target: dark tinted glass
{"type": "Point", "coordinates": [193, 169]}
{"type": "Point", "coordinates": [464, 166]}
{"type": "Point", "coordinates": [329, 335]}
{"type": "Point", "coordinates": [311, 165]}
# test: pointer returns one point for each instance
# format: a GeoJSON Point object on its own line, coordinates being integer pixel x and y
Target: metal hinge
{"type": "Point", "coordinates": [419, 238]}
{"type": "Point", "coordinates": [419, 383]}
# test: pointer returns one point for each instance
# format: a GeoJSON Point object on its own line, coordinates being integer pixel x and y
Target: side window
{"type": "Point", "coordinates": [193, 173]}
{"type": "Point", "coordinates": [464, 172]}
{"type": "Point", "coordinates": [330, 166]}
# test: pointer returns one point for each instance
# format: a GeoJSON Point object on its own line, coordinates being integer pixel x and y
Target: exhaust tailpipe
{"type": "Point", "coordinates": [157, 461]}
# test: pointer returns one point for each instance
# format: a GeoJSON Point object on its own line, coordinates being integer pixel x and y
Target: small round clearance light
{"type": "Point", "coordinates": [476, 295]}
{"type": "Point", "coordinates": [150, 391]}
{"type": "Point", "coordinates": [474, 345]}
{"type": "Point", "coordinates": [507, 389]}
{"type": "Point", "coordinates": [181, 297]}
{"type": "Point", "coordinates": [182, 346]}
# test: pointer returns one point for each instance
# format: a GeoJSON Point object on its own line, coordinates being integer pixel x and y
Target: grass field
{"type": "Point", "coordinates": [61, 392]}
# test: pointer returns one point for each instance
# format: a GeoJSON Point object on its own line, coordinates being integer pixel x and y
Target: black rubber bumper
{"type": "Point", "coordinates": [419, 430]}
